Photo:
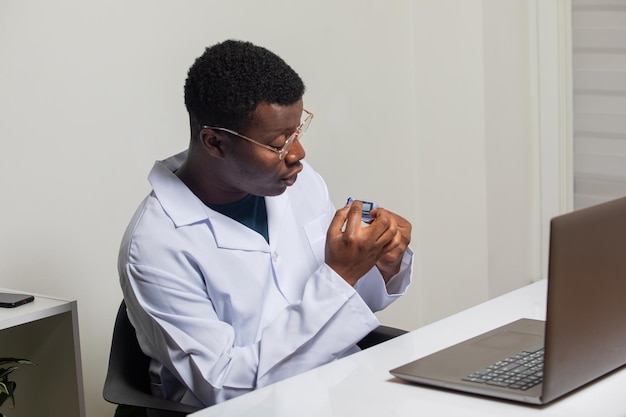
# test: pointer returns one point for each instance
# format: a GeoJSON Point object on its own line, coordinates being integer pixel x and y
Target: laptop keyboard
{"type": "Point", "coordinates": [521, 371]}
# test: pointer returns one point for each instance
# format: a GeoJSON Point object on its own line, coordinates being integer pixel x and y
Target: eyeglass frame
{"type": "Point", "coordinates": [282, 150]}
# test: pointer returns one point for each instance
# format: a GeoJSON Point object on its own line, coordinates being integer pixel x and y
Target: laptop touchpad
{"type": "Point", "coordinates": [508, 341]}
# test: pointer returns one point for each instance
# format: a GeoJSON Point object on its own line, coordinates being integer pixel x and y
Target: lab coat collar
{"type": "Point", "coordinates": [185, 209]}
{"type": "Point", "coordinates": [177, 200]}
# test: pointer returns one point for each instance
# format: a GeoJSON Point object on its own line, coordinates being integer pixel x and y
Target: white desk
{"type": "Point", "coordinates": [360, 385]}
{"type": "Point", "coordinates": [46, 332]}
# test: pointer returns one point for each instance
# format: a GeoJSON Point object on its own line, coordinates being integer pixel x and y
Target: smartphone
{"type": "Point", "coordinates": [10, 300]}
{"type": "Point", "coordinates": [367, 207]}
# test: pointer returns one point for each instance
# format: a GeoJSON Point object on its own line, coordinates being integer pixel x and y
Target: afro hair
{"type": "Point", "coordinates": [226, 84]}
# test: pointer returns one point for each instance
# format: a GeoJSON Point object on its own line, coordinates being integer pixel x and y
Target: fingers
{"type": "Point", "coordinates": [336, 224]}
{"type": "Point", "coordinates": [378, 233]}
{"type": "Point", "coordinates": [353, 249]}
{"type": "Point", "coordinates": [353, 219]}
{"type": "Point", "coordinates": [384, 225]}
{"type": "Point", "coordinates": [399, 225]}
{"type": "Point", "coordinates": [390, 261]}
{"type": "Point", "coordinates": [347, 219]}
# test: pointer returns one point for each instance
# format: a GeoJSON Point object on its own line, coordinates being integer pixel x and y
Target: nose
{"type": "Point", "coordinates": [295, 153]}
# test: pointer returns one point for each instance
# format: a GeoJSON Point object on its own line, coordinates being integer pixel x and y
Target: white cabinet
{"type": "Point", "coordinates": [44, 331]}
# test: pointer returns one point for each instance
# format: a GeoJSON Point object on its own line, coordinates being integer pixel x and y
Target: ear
{"type": "Point", "coordinates": [212, 142]}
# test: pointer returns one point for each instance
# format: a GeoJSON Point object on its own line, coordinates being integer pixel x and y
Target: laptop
{"type": "Point", "coordinates": [582, 338]}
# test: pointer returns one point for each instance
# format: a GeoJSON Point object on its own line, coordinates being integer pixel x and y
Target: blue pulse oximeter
{"type": "Point", "coordinates": [367, 207]}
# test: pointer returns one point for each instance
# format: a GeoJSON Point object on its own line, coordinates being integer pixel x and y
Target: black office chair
{"type": "Point", "coordinates": [127, 383]}
{"type": "Point", "coordinates": [379, 335]}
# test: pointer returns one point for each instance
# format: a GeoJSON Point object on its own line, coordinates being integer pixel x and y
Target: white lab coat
{"type": "Point", "coordinates": [221, 311]}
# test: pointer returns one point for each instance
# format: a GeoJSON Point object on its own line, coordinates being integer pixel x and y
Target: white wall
{"type": "Point", "coordinates": [425, 106]}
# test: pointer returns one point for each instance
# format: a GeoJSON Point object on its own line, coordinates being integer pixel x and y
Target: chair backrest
{"type": "Point", "coordinates": [127, 381]}
{"type": "Point", "coordinates": [379, 335]}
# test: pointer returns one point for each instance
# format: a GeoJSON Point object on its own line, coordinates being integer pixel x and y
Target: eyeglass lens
{"type": "Point", "coordinates": [297, 134]}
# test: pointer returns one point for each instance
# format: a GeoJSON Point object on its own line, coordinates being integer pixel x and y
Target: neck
{"type": "Point", "coordinates": [202, 178]}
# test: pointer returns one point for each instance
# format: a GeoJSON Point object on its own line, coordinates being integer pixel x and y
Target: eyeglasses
{"type": "Point", "coordinates": [280, 150]}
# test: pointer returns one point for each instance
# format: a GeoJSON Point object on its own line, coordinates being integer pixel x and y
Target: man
{"type": "Point", "coordinates": [236, 275]}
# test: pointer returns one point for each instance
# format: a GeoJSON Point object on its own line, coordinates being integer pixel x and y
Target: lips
{"type": "Point", "coordinates": [291, 179]}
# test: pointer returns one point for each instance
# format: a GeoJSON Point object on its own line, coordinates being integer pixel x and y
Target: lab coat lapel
{"type": "Point", "coordinates": [289, 260]}
{"type": "Point", "coordinates": [230, 234]}
{"type": "Point", "coordinates": [276, 207]}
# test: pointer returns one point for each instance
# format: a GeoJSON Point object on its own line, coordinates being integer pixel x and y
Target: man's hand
{"type": "Point", "coordinates": [354, 250]}
{"type": "Point", "coordinates": [390, 261]}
